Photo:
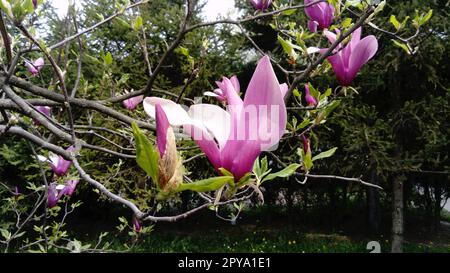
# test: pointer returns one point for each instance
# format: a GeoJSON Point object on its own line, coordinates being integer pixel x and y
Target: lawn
{"type": "Point", "coordinates": [285, 240]}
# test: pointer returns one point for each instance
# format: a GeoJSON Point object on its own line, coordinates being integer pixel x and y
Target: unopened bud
{"type": "Point", "coordinates": [170, 168]}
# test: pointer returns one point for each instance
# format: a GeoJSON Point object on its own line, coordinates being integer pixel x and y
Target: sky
{"type": "Point", "coordinates": [211, 11]}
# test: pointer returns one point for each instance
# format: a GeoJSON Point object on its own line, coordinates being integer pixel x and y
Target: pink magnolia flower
{"type": "Point", "coordinates": [16, 192]}
{"type": "Point", "coordinates": [59, 165]}
{"type": "Point", "coordinates": [261, 4]}
{"type": "Point", "coordinates": [46, 110]}
{"type": "Point", "coordinates": [220, 92]}
{"type": "Point", "coordinates": [306, 145]}
{"type": "Point", "coordinates": [233, 139]}
{"type": "Point", "coordinates": [69, 187]}
{"type": "Point", "coordinates": [320, 15]}
{"type": "Point", "coordinates": [136, 225]}
{"type": "Point", "coordinates": [56, 191]}
{"type": "Point", "coordinates": [310, 100]}
{"type": "Point", "coordinates": [35, 66]}
{"type": "Point", "coordinates": [133, 102]}
{"type": "Point", "coordinates": [35, 3]}
{"type": "Point", "coordinates": [348, 59]}
{"type": "Point", "coordinates": [52, 195]}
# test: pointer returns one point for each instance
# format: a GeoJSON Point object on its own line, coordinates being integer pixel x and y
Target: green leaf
{"type": "Point", "coordinates": [225, 172]}
{"type": "Point", "coordinates": [286, 172]}
{"type": "Point", "coordinates": [137, 24]}
{"type": "Point", "coordinates": [6, 7]}
{"type": "Point", "coordinates": [352, 3]}
{"type": "Point", "coordinates": [330, 108]}
{"type": "Point", "coordinates": [288, 48]}
{"type": "Point", "coordinates": [19, 234]}
{"type": "Point", "coordinates": [415, 21]}
{"type": "Point", "coordinates": [259, 169]}
{"type": "Point", "coordinates": [289, 12]}
{"type": "Point", "coordinates": [326, 94]}
{"type": "Point", "coordinates": [404, 22]}
{"type": "Point", "coordinates": [424, 19]}
{"type": "Point", "coordinates": [28, 6]}
{"type": "Point", "coordinates": [100, 16]}
{"type": "Point", "coordinates": [347, 22]}
{"type": "Point", "coordinates": [308, 162]}
{"type": "Point", "coordinates": [244, 180]}
{"type": "Point", "coordinates": [379, 7]}
{"type": "Point", "coordinates": [146, 154]}
{"type": "Point", "coordinates": [5, 233]}
{"type": "Point", "coordinates": [402, 46]}
{"type": "Point", "coordinates": [122, 22]}
{"type": "Point", "coordinates": [92, 58]}
{"type": "Point", "coordinates": [108, 59]}
{"type": "Point", "coordinates": [304, 123]}
{"type": "Point", "coordinates": [394, 22]}
{"type": "Point", "coordinates": [210, 184]}
{"type": "Point", "coordinates": [325, 154]}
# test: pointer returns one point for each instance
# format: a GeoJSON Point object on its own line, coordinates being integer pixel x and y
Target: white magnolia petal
{"type": "Point", "coordinates": [175, 113]}
{"type": "Point", "coordinates": [216, 120]}
{"type": "Point", "coordinates": [42, 158]}
{"type": "Point", "coordinates": [54, 158]}
{"type": "Point", "coordinates": [211, 94]}
{"type": "Point", "coordinates": [312, 50]}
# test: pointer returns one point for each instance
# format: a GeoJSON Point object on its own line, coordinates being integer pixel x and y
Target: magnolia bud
{"type": "Point", "coordinates": [170, 168]}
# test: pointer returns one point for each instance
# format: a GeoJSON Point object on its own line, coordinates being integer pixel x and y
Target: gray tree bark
{"type": "Point", "coordinates": [397, 216]}
{"type": "Point", "coordinates": [373, 204]}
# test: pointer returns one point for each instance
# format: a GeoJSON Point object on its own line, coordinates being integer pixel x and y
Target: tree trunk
{"type": "Point", "coordinates": [437, 206]}
{"type": "Point", "coordinates": [332, 207]}
{"type": "Point", "coordinates": [428, 203]}
{"type": "Point", "coordinates": [397, 216]}
{"type": "Point", "coordinates": [373, 204]}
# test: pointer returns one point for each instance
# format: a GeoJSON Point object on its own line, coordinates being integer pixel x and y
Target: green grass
{"type": "Point", "coordinates": [265, 241]}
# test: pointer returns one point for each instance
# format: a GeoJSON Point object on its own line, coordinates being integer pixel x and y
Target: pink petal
{"type": "Point", "coordinates": [361, 54]}
{"type": "Point", "coordinates": [310, 100]}
{"type": "Point", "coordinates": [284, 88]}
{"type": "Point", "coordinates": [162, 124]}
{"type": "Point", "coordinates": [39, 63]}
{"type": "Point", "coordinates": [312, 25]}
{"type": "Point", "coordinates": [205, 141]}
{"type": "Point", "coordinates": [330, 36]}
{"type": "Point", "coordinates": [234, 80]}
{"type": "Point", "coordinates": [265, 96]}
{"type": "Point", "coordinates": [339, 68]}
{"type": "Point", "coordinates": [328, 16]}
{"type": "Point", "coordinates": [46, 110]}
{"type": "Point", "coordinates": [313, 12]}
{"type": "Point", "coordinates": [230, 92]}
{"type": "Point", "coordinates": [356, 37]}
{"type": "Point", "coordinates": [133, 102]}
{"type": "Point", "coordinates": [52, 194]}
{"type": "Point", "coordinates": [31, 68]}
{"type": "Point", "coordinates": [238, 156]}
